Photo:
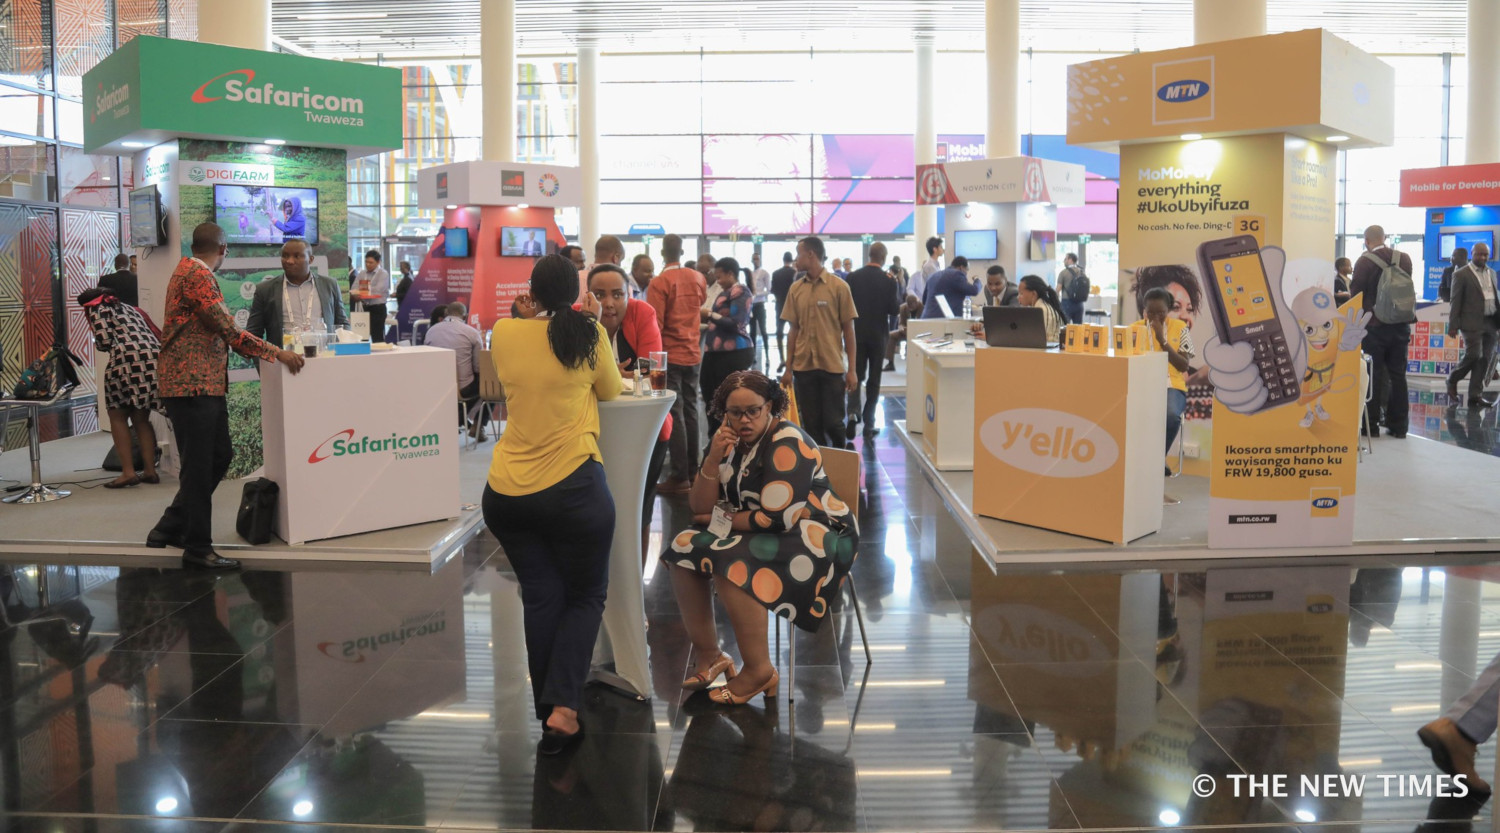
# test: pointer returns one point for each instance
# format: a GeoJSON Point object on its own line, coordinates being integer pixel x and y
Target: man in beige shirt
{"type": "Point", "coordinates": [820, 345]}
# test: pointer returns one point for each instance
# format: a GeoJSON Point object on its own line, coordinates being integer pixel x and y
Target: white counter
{"type": "Point", "coordinates": [360, 443]}
{"type": "Point", "coordinates": [946, 409]}
{"type": "Point", "coordinates": [627, 435]}
{"type": "Point", "coordinates": [916, 329]}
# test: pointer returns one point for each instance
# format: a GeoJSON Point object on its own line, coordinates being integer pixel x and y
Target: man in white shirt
{"type": "Point", "coordinates": [1473, 309]}
{"type": "Point", "coordinates": [760, 290]}
{"type": "Point", "coordinates": [454, 333]}
{"type": "Point", "coordinates": [372, 289]}
{"type": "Point", "coordinates": [916, 288]}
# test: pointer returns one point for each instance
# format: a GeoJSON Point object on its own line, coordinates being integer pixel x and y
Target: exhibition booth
{"type": "Point", "coordinates": [1227, 202]}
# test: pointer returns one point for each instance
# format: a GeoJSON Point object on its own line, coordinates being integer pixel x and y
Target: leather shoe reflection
{"type": "Point", "coordinates": [209, 560]}
{"type": "Point", "coordinates": [1453, 815]}
{"type": "Point", "coordinates": [1453, 753]}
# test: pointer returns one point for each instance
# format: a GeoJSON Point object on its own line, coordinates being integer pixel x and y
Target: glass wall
{"type": "Point", "coordinates": [60, 209]}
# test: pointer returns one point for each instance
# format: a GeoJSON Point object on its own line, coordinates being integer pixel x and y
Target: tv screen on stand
{"type": "Point", "coordinates": [523, 241]}
{"type": "Point", "coordinates": [976, 244]}
{"type": "Point", "coordinates": [146, 218]}
{"type": "Point", "coordinates": [267, 215]}
{"type": "Point", "coordinates": [455, 242]}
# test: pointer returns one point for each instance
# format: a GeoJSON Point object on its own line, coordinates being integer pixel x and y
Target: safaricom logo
{"type": "Point", "coordinates": [106, 101]}
{"type": "Point", "coordinates": [343, 444]}
{"type": "Point", "coordinates": [239, 86]}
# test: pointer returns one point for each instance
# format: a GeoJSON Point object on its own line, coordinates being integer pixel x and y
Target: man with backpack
{"type": "Point", "coordinates": [1383, 275]}
{"type": "Point", "coordinates": [1072, 289]}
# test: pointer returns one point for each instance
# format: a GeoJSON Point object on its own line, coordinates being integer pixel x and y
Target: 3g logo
{"type": "Point", "coordinates": [1047, 442]}
{"type": "Point", "coordinates": [1247, 225]}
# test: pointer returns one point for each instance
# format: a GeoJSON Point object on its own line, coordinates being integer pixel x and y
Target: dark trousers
{"type": "Point", "coordinates": [653, 473]}
{"type": "Point", "coordinates": [683, 380]}
{"type": "Point", "coordinates": [717, 365]}
{"type": "Point", "coordinates": [1479, 350]}
{"type": "Point", "coordinates": [558, 540]}
{"type": "Point", "coordinates": [780, 335]}
{"type": "Point", "coordinates": [869, 364]}
{"type": "Point", "coordinates": [820, 403]}
{"type": "Point", "coordinates": [377, 322]}
{"type": "Point", "coordinates": [1072, 311]}
{"type": "Point", "coordinates": [758, 325]}
{"type": "Point", "coordinates": [1386, 345]}
{"type": "Point", "coordinates": [201, 426]}
{"type": "Point", "coordinates": [1176, 406]}
{"type": "Point", "coordinates": [469, 396]}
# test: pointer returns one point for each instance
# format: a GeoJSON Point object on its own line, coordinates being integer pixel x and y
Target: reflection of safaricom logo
{"type": "Point", "coordinates": [196, 173]}
{"type": "Point", "coordinates": [353, 650]}
{"type": "Point", "coordinates": [106, 101]}
{"type": "Point", "coordinates": [343, 444]}
{"type": "Point", "coordinates": [239, 86]}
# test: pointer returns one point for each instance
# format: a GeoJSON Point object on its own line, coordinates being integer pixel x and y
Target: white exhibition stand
{"type": "Point", "coordinates": [627, 434]}
{"type": "Point", "coordinates": [947, 404]}
{"type": "Point", "coordinates": [920, 331]}
{"type": "Point", "coordinates": [351, 457]}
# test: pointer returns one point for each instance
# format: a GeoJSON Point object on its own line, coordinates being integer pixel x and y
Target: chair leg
{"type": "Point", "coordinates": [791, 662]}
{"type": "Point", "coordinates": [860, 618]}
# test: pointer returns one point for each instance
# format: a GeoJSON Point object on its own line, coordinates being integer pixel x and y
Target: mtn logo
{"type": "Point", "coordinates": [512, 183]}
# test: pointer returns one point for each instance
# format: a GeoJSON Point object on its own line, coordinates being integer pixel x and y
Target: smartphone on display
{"type": "Point", "coordinates": [1244, 310]}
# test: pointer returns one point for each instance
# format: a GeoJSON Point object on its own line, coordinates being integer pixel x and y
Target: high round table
{"type": "Point", "coordinates": [627, 434]}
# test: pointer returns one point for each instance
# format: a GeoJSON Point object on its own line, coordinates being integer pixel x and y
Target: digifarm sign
{"type": "Point", "coordinates": [154, 89]}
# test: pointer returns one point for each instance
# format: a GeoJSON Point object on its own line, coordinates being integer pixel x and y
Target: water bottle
{"type": "Point", "coordinates": [968, 308]}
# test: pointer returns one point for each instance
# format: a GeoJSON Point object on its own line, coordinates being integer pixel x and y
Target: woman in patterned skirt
{"type": "Point", "coordinates": [130, 382]}
{"type": "Point", "coordinates": [789, 545]}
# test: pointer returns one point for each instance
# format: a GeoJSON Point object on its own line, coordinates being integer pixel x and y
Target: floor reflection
{"type": "Point", "coordinates": [1078, 698]}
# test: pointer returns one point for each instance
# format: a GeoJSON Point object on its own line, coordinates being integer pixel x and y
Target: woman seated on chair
{"type": "Point", "coordinates": [634, 333]}
{"type": "Point", "coordinates": [790, 542]}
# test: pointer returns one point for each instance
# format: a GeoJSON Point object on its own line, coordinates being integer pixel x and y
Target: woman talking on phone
{"type": "Point", "coordinates": [768, 531]}
{"type": "Point", "coordinates": [546, 499]}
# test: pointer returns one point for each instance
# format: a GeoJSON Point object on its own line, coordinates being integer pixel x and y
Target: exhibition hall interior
{"type": "Point", "coordinates": [893, 415]}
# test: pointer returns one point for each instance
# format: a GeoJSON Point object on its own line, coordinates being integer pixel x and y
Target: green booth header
{"type": "Point", "coordinates": [155, 89]}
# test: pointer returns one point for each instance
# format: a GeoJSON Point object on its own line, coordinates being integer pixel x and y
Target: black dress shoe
{"type": "Point", "coordinates": [554, 742]}
{"type": "Point", "coordinates": [158, 541]}
{"type": "Point", "coordinates": [209, 560]}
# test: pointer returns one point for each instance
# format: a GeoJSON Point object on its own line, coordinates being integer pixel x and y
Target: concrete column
{"type": "Point", "coordinates": [1483, 133]}
{"type": "Point", "coordinates": [588, 143]}
{"type": "Point", "coordinates": [1002, 56]}
{"type": "Point", "coordinates": [925, 222]}
{"type": "Point", "coordinates": [1216, 20]}
{"type": "Point", "coordinates": [497, 76]}
{"type": "Point", "coordinates": [246, 25]}
{"type": "Point", "coordinates": [1458, 645]}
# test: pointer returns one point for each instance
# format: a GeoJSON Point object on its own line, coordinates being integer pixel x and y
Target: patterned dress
{"type": "Point", "coordinates": [121, 330]}
{"type": "Point", "coordinates": [804, 537]}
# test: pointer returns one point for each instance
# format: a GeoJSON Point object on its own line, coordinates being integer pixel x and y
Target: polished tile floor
{"type": "Point", "coordinates": [1090, 698]}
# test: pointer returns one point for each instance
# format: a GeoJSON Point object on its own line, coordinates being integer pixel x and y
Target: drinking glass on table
{"type": "Point", "coordinates": [659, 374]}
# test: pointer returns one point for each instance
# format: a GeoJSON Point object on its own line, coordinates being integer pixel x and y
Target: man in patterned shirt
{"type": "Point", "coordinates": [193, 376]}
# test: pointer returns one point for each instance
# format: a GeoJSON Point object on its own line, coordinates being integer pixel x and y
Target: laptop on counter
{"type": "Point", "coordinates": [1015, 327]}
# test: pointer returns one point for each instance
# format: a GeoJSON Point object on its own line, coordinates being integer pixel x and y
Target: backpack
{"type": "Point", "coordinates": [45, 376]}
{"type": "Point", "coordinates": [1395, 294]}
{"type": "Point", "coordinates": [257, 516]}
{"type": "Point", "coordinates": [1078, 287]}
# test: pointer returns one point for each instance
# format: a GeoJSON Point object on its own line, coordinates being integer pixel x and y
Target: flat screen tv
{"type": "Point", "coordinates": [976, 244]}
{"type": "Point", "coordinates": [523, 241]}
{"type": "Point", "coordinates": [1446, 244]}
{"type": "Point", "coordinates": [1469, 239]}
{"type": "Point", "coordinates": [455, 242]}
{"type": "Point", "coordinates": [1043, 245]}
{"type": "Point", "coordinates": [147, 221]}
{"type": "Point", "coordinates": [264, 214]}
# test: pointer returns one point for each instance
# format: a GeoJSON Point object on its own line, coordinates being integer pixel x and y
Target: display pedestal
{"type": "Point", "coordinates": [1070, 442]}
{"type": "Point", "coordinates": [947, 404]}
{"type": "Point", "coordinates": [628, 427]}
{"type": "Point", "coordinates": [920, 331]}
{"type": "Point", "coordinates": [350, 457]}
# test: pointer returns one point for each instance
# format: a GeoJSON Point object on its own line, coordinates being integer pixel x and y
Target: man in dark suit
{"type": "Point", "coordinates": [122, 281]}
{"type": "Point", "coordinates": [1474, 294]}
{"type": "Point", "coordinates": [298, 299]}
{"type": "Point", "coordinates": [532, 247]}
{"type": "Point", "coordinates": [1456, 261]}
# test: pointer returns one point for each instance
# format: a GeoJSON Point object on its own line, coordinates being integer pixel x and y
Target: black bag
{"type": "Point", "coordinates": [258, 511]}
{"type": "Point", "coordinates": [1078, 287]}
{"type": "Point", "coordinates": [112, 458]}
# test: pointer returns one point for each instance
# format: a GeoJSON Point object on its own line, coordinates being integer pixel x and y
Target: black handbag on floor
{"type": "Point", "coordinates": [257, 517]}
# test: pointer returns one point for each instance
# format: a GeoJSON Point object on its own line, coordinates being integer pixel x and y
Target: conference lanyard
{"type": "Point", "coordinates": [286, 302]}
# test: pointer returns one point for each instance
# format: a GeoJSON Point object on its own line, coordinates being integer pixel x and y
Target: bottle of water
{"type": "Point", "coordinates": [968, 308]}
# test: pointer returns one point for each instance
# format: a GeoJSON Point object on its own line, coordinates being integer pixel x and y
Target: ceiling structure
{"type": "Point", "coordinates": [404, 30]}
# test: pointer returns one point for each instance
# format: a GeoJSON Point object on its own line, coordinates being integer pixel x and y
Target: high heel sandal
{"type": "Point", "coordinates": [705, 678]}
{"type": "Point", "coordinates": [724, 697]}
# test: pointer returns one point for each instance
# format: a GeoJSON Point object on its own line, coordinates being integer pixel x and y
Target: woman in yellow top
{"type": "Point", "coordinates": [546, 499]}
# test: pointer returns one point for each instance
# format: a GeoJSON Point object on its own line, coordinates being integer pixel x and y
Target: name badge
{"type": "Point", "coordinates": [822, 303]}
{"type": "Point", "coordinates": [722, 522]}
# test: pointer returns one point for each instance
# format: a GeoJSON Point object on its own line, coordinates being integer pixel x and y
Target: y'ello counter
{"type": "Point", "coordinates": [362, 443]}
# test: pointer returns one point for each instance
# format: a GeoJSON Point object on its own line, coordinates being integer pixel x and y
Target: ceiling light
{"type": "Point", "coordinates": [1170, 817]}
{"type": "Point", "coordinates": [1191, 137]}
{"type": "Point", "coordinates": [133, 144]}
{"type": "Point", "coordinates": [275, 141]}
{"type": "Point", "coordinates": [933, 772]}
{"type": "Point", "coordinates": [105, 178]}
{"type": "Point", "coordinates": [451, 207]}
{"type": "Point", "coordinates": [302, 808]}
{"type": "Point", "coordinates": [1306, 815]}
{"type": "Point", "coordinates": [166, 805]}
{"type": "Point", "coordinates": [1338, 137]}
{"type": "Point", "coordinates": [342, 16]}
{"type": "Point", "coordinates": [1416, 707]}
{"type": "Point", "coordinates": [523, 205]}
{"type": "Point", "coordinates": [1467, 205]}
{"type": "Point", "coordinates": [905, 683]}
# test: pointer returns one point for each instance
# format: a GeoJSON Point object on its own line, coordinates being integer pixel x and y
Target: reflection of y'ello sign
{"type": "Point", "coordinates": [1048, 442]}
